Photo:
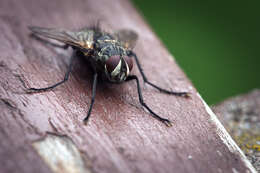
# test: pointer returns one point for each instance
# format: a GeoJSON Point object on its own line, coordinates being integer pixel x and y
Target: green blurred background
{"type": "Point", "coordinates": [215, 42]}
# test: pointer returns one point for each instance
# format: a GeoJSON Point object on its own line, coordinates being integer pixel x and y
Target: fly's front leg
{"type": "Point", "coordinates": [141, 100]}
{"type": "Point", "coordinates": [94, 86]}
{"type": "Point", "coordinates": [184, 94]}
{"type": "Point", "coordinates": [66, 77]}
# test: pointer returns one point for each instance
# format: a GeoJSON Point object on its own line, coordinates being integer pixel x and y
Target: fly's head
{"type": "Point", "coordinates": [118, 67]}
{"type": "Point", "coordinates": [119, 64]}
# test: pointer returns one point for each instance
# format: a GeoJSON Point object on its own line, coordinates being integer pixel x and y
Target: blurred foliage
{"type": "Point", "coordinates": [215, 42]}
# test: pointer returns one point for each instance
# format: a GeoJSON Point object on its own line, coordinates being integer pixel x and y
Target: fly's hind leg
{"type": "Point", "coordinates": [66, 77]}
{"type": "Point", "coordinates": [183, 94]}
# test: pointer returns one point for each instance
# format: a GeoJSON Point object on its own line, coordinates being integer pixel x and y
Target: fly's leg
{"type": "Point", "coordinates": [141, 100]}
{"type": "Point", "coordinates": [184, 94]}
{"type": "Point", "coordinates": [94, 86]}
{"type": "Point", "coordinates": [66, 77]}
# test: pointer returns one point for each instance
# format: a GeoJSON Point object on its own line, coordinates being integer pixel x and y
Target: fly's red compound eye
{"type": "Point", "coordinates": [129, 62]}
{"type": "Point", "coordinates": [112, 62]}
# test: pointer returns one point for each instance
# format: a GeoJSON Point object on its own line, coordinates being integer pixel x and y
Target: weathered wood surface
{"type": "Point", "coordinates": [120, 136]}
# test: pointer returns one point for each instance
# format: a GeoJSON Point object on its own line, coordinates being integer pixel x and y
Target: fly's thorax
{"type": "Point", "coordinates": [109, 47]}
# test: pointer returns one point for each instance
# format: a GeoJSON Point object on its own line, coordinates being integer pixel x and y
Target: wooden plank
{"type": "Point", "coordinates": [120, 136]}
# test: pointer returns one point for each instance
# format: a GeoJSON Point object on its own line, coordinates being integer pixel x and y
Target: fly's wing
{"type": "Point", "coordinates": [127, 37]}
{"type": "Point", "coordinates": [67, 37]}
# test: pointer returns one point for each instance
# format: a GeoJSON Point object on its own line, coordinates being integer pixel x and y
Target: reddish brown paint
{"type": "Point", "coordinates": [120, 136]}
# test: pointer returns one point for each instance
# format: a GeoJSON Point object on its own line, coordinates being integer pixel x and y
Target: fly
{"type": "Point", "coordinates": [110, 56]}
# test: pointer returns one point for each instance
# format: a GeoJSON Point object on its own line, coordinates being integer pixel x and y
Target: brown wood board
{"type": "Point", "coordinates": [120, 136]}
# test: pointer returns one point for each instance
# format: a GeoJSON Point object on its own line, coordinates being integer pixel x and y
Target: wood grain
{"type": "Point", "coordinates": [120, 136]}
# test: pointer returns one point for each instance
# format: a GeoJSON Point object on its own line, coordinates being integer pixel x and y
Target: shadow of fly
{"type": "Point", "coordinates": [110, 56]}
